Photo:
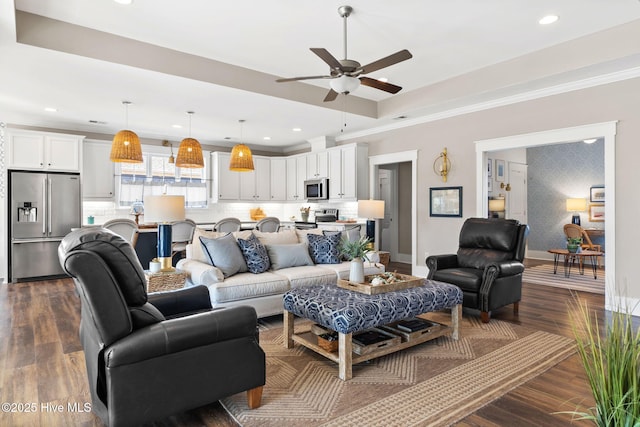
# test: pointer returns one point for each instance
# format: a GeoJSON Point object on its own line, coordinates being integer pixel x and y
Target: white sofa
{"type": "Point", "coordinates": [263, 291]}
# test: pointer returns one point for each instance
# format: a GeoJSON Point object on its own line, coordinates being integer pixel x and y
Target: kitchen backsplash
{"type": "Point", "coordinates": [104, 211]}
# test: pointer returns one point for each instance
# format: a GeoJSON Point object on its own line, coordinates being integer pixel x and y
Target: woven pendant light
{"type": "Point", "coordinates": [241, 158]}
{"type": "Point", "coordinates": [125, 147]}
{"type": "Point", "coordinates": [190, 151]}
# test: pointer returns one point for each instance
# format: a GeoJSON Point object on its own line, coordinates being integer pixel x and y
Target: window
{"type": "Point", "coordinates": [155, 176]}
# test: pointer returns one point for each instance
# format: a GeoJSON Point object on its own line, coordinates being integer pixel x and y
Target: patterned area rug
{"type": "Point", "coordinates": [543, 275]}
{"type": "Point", "coordinates": [435, 383]}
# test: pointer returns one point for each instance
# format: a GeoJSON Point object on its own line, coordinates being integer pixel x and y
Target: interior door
{"type": "Point", "coordinates": [388, 235]}
{"type": "Point", "coordinates": [517, 197]}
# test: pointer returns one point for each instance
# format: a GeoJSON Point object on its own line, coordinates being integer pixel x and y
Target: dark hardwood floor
{"type": "Point", "coordinates": [42, 363]}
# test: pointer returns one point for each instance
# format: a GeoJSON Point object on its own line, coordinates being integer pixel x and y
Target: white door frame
{"type": "Point", "coordinates": [404, 156]}
{"type": "Point", "coordinates": [606, 130]}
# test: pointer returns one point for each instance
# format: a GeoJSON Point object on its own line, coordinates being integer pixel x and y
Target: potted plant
{"type": "Point", "coordinates": [356, 251]}
{"type": "Point", "coordinates": [610, 356]}
{"type": "Point", "coordinates": [573, 244]}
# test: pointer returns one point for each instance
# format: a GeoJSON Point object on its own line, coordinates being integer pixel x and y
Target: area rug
{"type": "Point", "coordinates": [433, 384]}
{"type": "Point", "coordinates": [543, 275]}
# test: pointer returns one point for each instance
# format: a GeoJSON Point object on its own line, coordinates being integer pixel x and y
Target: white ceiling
{"type": "Point", "coordinates": [464, 52]}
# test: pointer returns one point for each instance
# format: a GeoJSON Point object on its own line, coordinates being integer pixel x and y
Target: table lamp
{"type": "Point", "coordinates": [372, 210]}
{"type": "Point", "coordinates": [496, 206]}
{"type": "Point", "coordinates": [576, 205]}
{"type": "Point", "coordinates": [163, 210]}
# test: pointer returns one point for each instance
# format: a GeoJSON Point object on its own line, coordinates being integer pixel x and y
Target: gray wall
{"type": "Point", "coordinates": [555, 173]}
{"type": "Point", "coordinates": [404, 208]}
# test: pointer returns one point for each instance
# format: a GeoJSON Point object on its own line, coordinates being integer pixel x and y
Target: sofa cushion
{"type": "Point", "coordinates": [225, 254]}
{"type": "Point", "coordinates": [308, 276]}
{"type": "Point", "coordinates": [246, 285]}
{"type": "Point", "coordinates": [197, 251]}
{"type": "Point", "coordinates": [255, 254]}
{"type": "Point", "coordinates": [342, 270]}
{"type": "Point", "coordinates": [324, 248]}
{"type": "Point", "coordinates": [282, 237]}
{"type": "Point", "coordinates": [283, 256]}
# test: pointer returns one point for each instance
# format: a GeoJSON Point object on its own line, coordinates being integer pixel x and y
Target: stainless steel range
{"type": "Point", "coordinates": [326, 215]}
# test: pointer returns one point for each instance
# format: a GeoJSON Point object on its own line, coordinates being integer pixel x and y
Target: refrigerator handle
{"type": "Point", "coordinates": [49, 209]}
{"type": "Point", "coordinates": [44, 203]}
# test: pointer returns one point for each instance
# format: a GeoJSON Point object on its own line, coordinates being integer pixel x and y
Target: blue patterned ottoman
{"type": "Point", "coordinates": [346, 312]}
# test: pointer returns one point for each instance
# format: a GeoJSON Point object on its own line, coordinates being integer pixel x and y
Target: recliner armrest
{"type": "Point", "coordinates": [184, 333]}
{"type": "Point", "coordinates": [508, 268]}
{"type": "Point", "coordinates": [441, 262]}
{"type": "Point", "coordinates": [181, 302]}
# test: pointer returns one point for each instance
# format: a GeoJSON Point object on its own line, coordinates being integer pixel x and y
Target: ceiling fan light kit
{"type": "Point", "coordinates": [346, 74]}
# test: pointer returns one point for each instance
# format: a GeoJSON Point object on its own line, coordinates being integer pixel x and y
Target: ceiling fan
{"type": "Point", "coordinates": [346, 74]}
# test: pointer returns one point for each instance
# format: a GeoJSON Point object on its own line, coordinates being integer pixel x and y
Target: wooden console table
{"type": "Point", "coordinates": [570, 257]}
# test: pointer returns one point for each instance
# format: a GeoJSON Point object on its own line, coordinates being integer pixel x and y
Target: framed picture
{"type": "Point", "coordinates": [499, 170]}
{"type": "Point", "coordinates": [490, 184]}
{"type": "Point", "coordinates": [596, 212]}
{"type": "Point", "coordinates": [489, 167]}
{"type": "Point", "coordinates": [445, 201]}
{"type": "Point", "coordinates": [597, 194]}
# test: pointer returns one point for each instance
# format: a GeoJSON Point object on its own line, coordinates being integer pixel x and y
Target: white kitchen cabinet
{"type": "Point", "coordinates": [349, 172]}
{"type": "Point", "coordinates": [296, 175]}
{"type": "Point", "coordinates": [278, 179]}
{"type": "Point", "coordinates": [43, 151]}
{"type": "Point", "coordinates": [225, 183]}
{"type": "Point", "coordinates": [255, 186]}
{"type": "Point", "coordinates": [98, 180]}
{"type": "Point", "coordinates": [317, 165]}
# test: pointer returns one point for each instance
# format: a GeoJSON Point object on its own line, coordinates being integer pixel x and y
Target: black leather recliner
{"type": "Point", "coordinates": [151, 356]}
{"type": "Point", "coordinates": [488, 266]}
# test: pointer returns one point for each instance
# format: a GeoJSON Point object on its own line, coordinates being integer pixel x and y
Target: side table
{"type": "Point", "coordinates": [165, 280]}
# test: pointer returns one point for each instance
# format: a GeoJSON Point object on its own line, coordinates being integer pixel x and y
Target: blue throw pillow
{"type": "Point", "coordinates": [225, 254]}
{"type": "Point", "coordinates": [324, 249]}
{"type": "Point", "coordinates": [255, 254]}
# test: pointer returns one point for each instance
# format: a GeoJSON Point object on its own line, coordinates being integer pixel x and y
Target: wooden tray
{"type": "Point", "coordinates": [406, 282]}
{"type": "Point", "coordinates": [390, 341]}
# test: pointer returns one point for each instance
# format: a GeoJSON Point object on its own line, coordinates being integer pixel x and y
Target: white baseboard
{"type": "Point", "coordinates": [541, 255]}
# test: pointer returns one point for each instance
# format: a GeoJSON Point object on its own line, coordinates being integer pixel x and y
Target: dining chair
{"type": "Point", "coordinates": [575, 231]}
{"type": "Point", "coordinates": [268, 224]}
{"type": "Point", "coordinates": [227, 225]}
{"type": "Point", "coordinates": [181, 235]}
{"type": "Point", "coordinates": [127, 228]}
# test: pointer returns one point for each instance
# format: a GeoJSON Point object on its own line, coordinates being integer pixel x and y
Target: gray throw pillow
{"type": "Point", "coordinates": [225, 254]}
{"type": "Point", "coordinates": [283, 256]}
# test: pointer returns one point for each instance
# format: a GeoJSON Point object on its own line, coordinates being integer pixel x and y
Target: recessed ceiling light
{"type": "Point", "coordinates": [177, 126]}
{"type": "Point", "coordinates": [590, 141]}
{"type": "Point", "coordinates": [123, 1]}
{"type": "Point", "coordinates": [267, 138]}
{"type": "Point", "coordinates": [297, 129]}
{"type": "Point", "coordinates": [549, 19]}
{"type": "Point", "coordinates": [50, 109]}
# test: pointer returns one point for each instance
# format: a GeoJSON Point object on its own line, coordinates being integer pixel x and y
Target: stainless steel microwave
{"type": "Point", "coordinates": [316, 189]}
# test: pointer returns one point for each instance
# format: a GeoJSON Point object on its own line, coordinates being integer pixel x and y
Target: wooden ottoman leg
{"type": "Point", "coordinates": [288, 329]}
{"type": "Point", "coordinates": [344, 356]}
{"type": "Point", "coordinates": [456, 317]}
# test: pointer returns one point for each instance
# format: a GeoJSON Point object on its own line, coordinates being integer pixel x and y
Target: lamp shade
{"type": "Point", "coordinates": [576, 205]}
{"type": "Point", "coordinates": [373, 209]}
{"type": "Point", "coordinates": [126, 148]}
{"type": "Point", "coordinates": [190, 154]}
{"type": "Point", "coordinates": [496, 205]}
{"type": "Point", "coordinates": [241, 159]}
{"type": "Point", "coordinates": [344, 84]}
{"type": "Point", "coordinates": [163, 208]}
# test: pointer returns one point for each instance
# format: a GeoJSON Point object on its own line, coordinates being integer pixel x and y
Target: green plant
{"type": "Point", "coordinates": [611, 359]}
{"type": "Point", "coordinates": [355, 249]}
{"type": "Point", "coordinates": [574, 241]}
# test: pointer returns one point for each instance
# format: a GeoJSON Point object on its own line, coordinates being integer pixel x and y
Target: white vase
{"type": "Point", "coordinates": [356, 272]}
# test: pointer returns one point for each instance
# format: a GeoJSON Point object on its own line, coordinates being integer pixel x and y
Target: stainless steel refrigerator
{"type": "Point", "coordinates": [43, 208]}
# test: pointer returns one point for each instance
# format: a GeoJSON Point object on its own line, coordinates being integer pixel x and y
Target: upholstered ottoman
{"type": "Point", "coordinates": [346, 312]}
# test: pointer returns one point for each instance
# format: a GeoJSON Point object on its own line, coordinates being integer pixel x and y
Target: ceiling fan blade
{"type": "Point", "coordinates": [293, 79]}
{"type": "Point", "coordinates": [331, 96]}
{"type": "Point", "coordinates": [377, 84]}
{"type": "Point", "coordinates": [400, 56]}
{"type": "Point", "coordinates": [327, 57]}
